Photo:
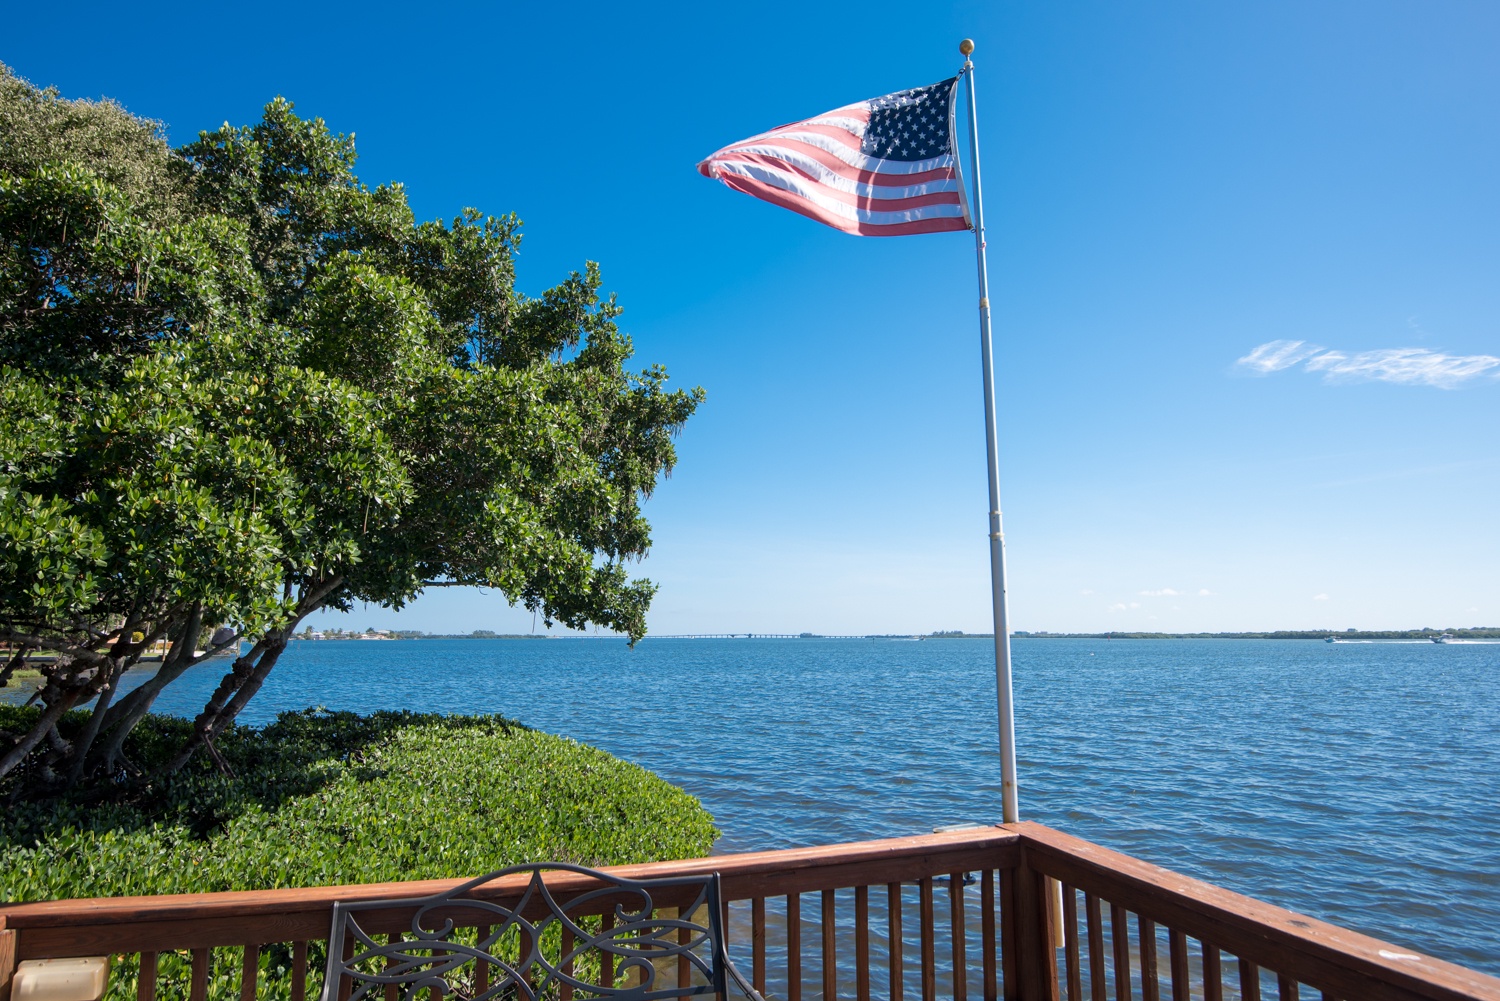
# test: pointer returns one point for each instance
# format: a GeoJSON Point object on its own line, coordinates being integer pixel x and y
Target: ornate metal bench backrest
{"type": "Point", "coordinates": [448, 951]}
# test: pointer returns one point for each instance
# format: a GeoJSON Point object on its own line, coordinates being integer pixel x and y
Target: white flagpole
{"type": "Point", "coordinates": [1009, 808]}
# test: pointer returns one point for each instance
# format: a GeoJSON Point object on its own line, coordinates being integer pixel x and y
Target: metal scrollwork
{"type": "Point", "coordinates": [645, 948]}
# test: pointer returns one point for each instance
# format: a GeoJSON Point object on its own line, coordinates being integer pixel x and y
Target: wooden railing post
{"type": "Point", "coordinates": [1035, 938]}
{"type": "Point", "coordinates": [7, 958]}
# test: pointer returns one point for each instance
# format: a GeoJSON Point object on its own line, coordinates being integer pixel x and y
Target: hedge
{"type": "Point", "coordinates": [321, 797]}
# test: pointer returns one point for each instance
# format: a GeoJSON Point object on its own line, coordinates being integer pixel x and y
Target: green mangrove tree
{"type": "Point", "coordinates": [238, 386]}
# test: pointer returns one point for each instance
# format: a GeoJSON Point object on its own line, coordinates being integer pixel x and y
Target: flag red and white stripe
{"type": "Point", "coordinates": [823, 167]}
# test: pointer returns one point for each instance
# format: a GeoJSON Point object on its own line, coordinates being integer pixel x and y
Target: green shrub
{"type": "Point", "coordinates": [320, 797]}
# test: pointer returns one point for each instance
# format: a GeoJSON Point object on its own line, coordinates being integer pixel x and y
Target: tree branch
{"type": "Point", "coordinates": [40, 642]}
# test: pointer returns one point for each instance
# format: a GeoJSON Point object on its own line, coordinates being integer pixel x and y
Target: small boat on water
{"type": "Point", "coordinates": [1329, 639]}
{"type": "Point", "coordinates": [1445, 638]}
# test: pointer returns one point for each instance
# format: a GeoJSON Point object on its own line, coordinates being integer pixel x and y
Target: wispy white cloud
{"type": "Point", "coordinates": [1408, 366]}
{"type": "Point", "coordinates": [1320, 597]}
{"type": "Point", "coordinates": [1404, 366]}
{"type": "Point", "coordinates": [1204, 592]}
{"type": "Point", "coordinates": [1165, 592]}
{"type": "Point", "coordinates": [1273, 356]}
{"type": "Point", "coordinates": [1087, 590]}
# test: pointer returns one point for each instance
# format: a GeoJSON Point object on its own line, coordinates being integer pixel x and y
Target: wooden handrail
{"type": "Point", "coordinates": [1016, 860]}
{"type": "Point", "coordinates": [1338, 961]}
{"type": "Point", "coordinates": [208, 920]}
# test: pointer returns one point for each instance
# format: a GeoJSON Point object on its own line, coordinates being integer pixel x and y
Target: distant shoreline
{"type": "Point", "coordinates": [1475, 633]}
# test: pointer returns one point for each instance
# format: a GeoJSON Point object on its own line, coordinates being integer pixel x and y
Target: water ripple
{"type": "Point", "coordinates": [1356, 782]}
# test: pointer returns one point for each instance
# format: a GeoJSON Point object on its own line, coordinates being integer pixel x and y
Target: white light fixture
{"type": "Point", "coordinates": [78, 979]}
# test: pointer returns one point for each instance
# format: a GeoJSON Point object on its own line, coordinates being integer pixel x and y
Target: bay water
{"type": "Point", "coordinates": [1356, 782]}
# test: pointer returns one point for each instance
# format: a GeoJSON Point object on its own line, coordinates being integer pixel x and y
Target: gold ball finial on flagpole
{"type": "Point", "coordinates": [966, 47]}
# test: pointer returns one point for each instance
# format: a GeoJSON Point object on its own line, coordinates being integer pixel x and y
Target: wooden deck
{"type": "Point", "coordinates": [962, 915]}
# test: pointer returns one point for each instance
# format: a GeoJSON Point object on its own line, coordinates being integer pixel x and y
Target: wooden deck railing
{"type": "Point", "coordinates": [967, 915]}
{"type": "Point", "coordinates": [1196, 940]}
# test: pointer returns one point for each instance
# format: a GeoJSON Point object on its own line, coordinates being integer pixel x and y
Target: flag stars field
{"type": "Point", "coordinates": [857, 168]}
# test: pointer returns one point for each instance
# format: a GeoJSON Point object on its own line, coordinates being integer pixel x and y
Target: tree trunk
{"type": "Point", "coordinates": [129, 711]}
{"type": "Point", "coordinates": [19, 660]}
{"type": "Point", "coordinates": [125, 655]}
{"type": "Point", "coordinates": [44, 725]}
{"type": "Point", "coordinates": [247, 675]}
{"type": "Point", "coordinates": [251, 686]}
{"type": "Point", "coordinates": [243, 668]}
{"type": "Point", "coordinates": [242, 682]}
{"type": "Point", "coordinates": [85, 740]}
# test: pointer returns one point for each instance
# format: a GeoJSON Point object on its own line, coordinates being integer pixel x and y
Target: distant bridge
{"type": "Point", "coordinates": [725, 636]}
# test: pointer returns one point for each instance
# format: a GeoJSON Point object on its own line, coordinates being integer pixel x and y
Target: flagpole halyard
{"type": "Point", "coordinates": [1010, 811]}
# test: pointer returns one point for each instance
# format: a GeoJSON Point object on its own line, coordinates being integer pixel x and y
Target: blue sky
{"type": "Point", "coordinates": [1170, 189]}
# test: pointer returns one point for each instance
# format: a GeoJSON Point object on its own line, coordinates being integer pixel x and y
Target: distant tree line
{"type": "Point", "coordinates": [1474, 632]}
{"type": "Point", "coordinates": [414, 634]}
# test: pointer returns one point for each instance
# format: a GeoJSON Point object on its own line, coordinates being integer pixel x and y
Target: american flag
{"type": "Point", "coordinates": [884, 167]}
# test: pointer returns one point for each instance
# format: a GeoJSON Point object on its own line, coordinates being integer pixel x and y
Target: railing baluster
{"type": "Point", "coordinates": [929, 947]}
{"type": "Point", "coordinates": [724, 926]}
{"type": "Point", "coordinates": [565, 965]}
{"type": "Point", "coordinates": [481, 968]}
{"type": "Point", "coordinates": [393, 991]}
{"type": "Point", "coordinates": [606, 958]}
{"type": "Point", "coordinates": [1286, 987]}
{"type": "Point", "coordinates": [249, 972]}
{"type": "Point", "coordinates": [1178, 956]}
{"type": "Point", "coordinates": [299, 971]}
{"type": "Point", "coordinates": [1070, 943]}
{"type": "Point", "coordinates": [862, 943]}
{"type": "Point", "coordinates": [830, 949]}
{"type": "Point", "coordinates": [894, 939]}
{"type": "Point", "coordinates": [684, 936]}
{"type": "Point", "coordinates": [1097, 988]}
{"type": "Point", "coordinates": [1150, 985]}
{"type": "Point", "coordinates": [758, 943]}
{"type": "Point", "coordinates": [987, 934]}
{"type": "Point", "coordinates": [346, 984]}
{"type": "Point", "coordinates": [528, 975]}
{"type": "Point", "coordinates": [145, 983]}
{"type": "Point", "coordinates": [794, 947]}
{"type": "Point", "coordinates": [1213, 974]}
{"type": "Point", "coordinates": [1119, 927]}
{"type": "Point", "coordinates": [1249, 981]}
{"type": "Point", "coordinates": [199, 989]}
{"type": "Point", "coordinates": [960, 951]}
{"type": "Point", "coordinates": [1010, 969]}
